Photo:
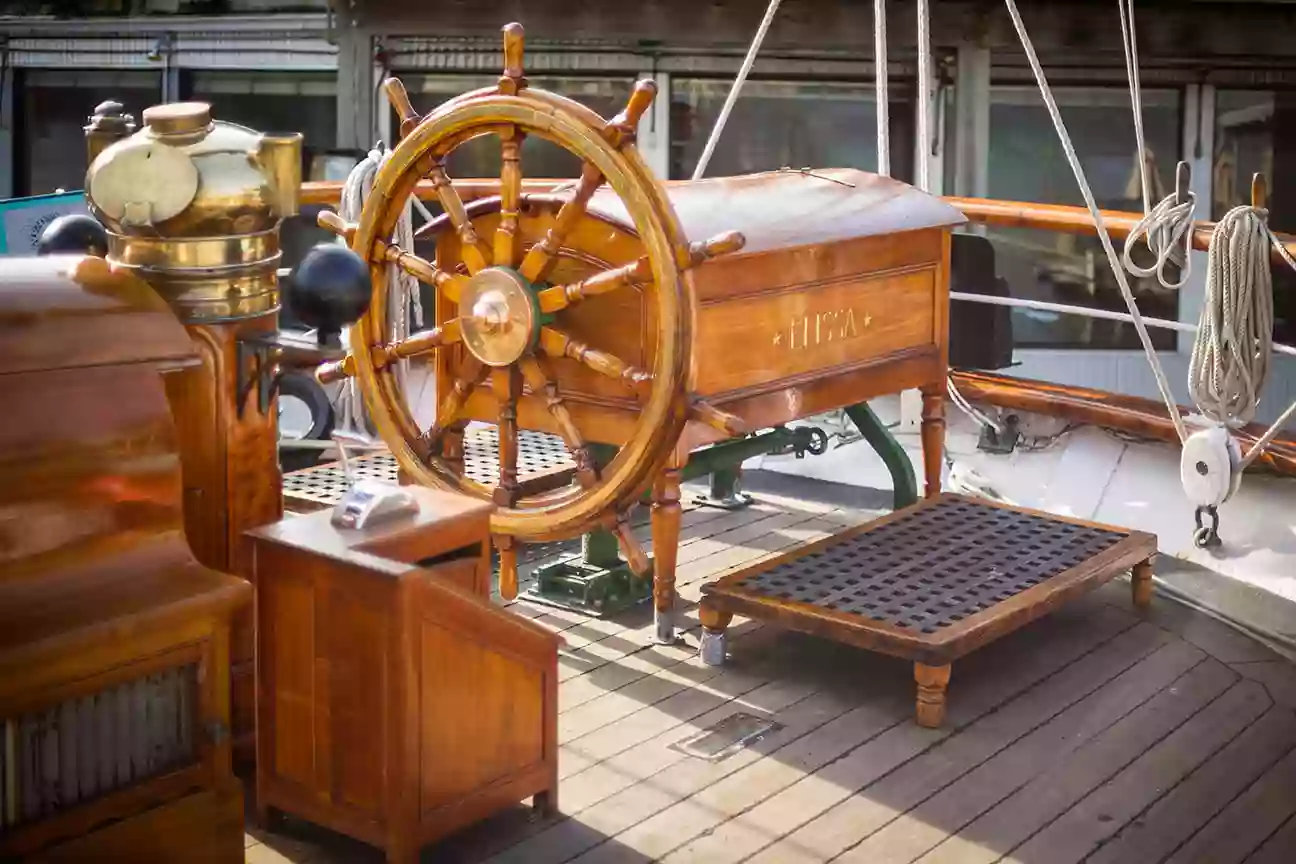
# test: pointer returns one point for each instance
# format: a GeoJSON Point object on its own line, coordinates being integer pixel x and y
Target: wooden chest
{"type": "Point", "coordinates": [840, 294]}
{"type": "Point", "coordinates": [396, 704]}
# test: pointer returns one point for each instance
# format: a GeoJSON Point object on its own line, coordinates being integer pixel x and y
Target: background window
{"type": "Point", "coordinates": [55, 105]}
{"type": "Point", "coordinates": [778, 123]}
{"type": "Point", "coordinates": [1026, 163]}
{"type": "Point", "coordinates": [540, 159]}
{"type": "Point", "coordinates": [1255, 132]}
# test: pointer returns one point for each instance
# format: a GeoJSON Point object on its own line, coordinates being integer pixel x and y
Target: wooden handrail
{"type": "Point", "coordinates": [1132, 414]}
{"type": "Point", "coordinates": [1075, 220]}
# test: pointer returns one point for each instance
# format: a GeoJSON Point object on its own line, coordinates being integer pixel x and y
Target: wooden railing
{"type": "Point", "coordinates": [1142, 417]}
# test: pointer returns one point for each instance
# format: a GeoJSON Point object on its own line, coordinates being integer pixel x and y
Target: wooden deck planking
{"type": "Point", "coordinates": [957, 766]}
{"type": "Point", "coordinates": [1091, 735]}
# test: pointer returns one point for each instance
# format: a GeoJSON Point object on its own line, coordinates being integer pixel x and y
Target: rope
{"type": "Point", "coordinates": [924, 96]}
{"type": "Point", "coordinates": [402, 288]}
{"type": "Point", "coordinates": [880, 80]}
{"type": "Point", "coordinates": [1166, 229]}
{"type": "Point", "coordinates": [743, 71]}
{"type": "Point", "coordinates": [1122, 280]}
{"type": "Point", "coordinates": [1231, 356]}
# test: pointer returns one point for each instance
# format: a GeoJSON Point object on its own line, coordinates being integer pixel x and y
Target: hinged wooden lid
{"type": "Point", "coordinates": [791, 208]}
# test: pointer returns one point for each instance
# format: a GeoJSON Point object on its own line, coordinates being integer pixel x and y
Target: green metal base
{"type": "Point", "coordinates": [575, 584]}
{"type": "Point", "coordinates": [596, 582]}
{"type": "Point", "coordinates": [726, 491]}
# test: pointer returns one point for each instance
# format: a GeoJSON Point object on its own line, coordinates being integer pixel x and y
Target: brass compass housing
{"type": "Point", "coordinates": [502, 321]}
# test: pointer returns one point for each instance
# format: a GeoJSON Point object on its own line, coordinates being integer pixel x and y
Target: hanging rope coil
{"type": "Point", "coordinates": [1231, 355]}
{"type": "Point", "coordinates": [402, 288]}
{"type": "Point", "coordinates": [1167, 232]}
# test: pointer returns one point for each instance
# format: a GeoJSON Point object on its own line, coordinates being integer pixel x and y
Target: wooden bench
{"type": "Point", "coordinates": [930, 583]}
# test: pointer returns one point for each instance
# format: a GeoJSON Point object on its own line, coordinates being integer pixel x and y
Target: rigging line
{"type": "Point", "coordinates": [743, 71]}
{"type": "Point", "coordinates": [1129, 41]}
{"type": "Point", "coordinates": [1104, 236]}
{"type": "Point", "coordinates": [924, 96]}
{"type": "Point", "coordinates": [880, 81]}
{"type": "Point", "coordinates": [1165, 229]}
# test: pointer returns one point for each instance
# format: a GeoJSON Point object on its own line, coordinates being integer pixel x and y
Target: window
{"type": "Point", "coordinates": [274, 102]}
{"type": "Point", "coordinates": [783, 123]}
{"type": "Point", "coordinates": [279, 102]}
{"type": "Point", "coordinates": [55, 105]}
{"type": "Point", "coordinates": [1255, 132]}
{"type": "Point", "coordinates": [1026, 163]}
{"type": "Point", "coordinates": [540, 158]}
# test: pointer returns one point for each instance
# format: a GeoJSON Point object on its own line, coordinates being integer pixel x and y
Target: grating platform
{"type": "Point", "coordinates": [543, 462]}
{"type": "Point", "coordinates": [932, 582]}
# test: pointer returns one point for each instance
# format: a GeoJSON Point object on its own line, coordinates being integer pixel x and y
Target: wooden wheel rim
{"type": "Point", "coordinates": [565, 512]}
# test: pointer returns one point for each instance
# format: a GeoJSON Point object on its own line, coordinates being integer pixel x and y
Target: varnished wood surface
{"type": "Point", "coordinates": [1131, 414]}
{"type": "Point", "coordinates": [98, 586]}
{"type": "Point", "coordinates": [396, 704]}
{"type": "Point", "coordinates": [70, 312]}
{"type": "Point", "coordinates": [1093, 734]}
{"type": "Point", "coordinates": [787, 209]}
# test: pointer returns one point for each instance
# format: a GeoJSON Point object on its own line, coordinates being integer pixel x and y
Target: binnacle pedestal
{"type": "Point", "coordinates": [192, 206]}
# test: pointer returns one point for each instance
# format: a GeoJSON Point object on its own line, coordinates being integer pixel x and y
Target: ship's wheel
{"type": "Point", "coordinates": [510, 301]}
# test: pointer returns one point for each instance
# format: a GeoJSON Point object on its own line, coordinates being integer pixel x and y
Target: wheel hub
{"type": "Point", "coordinates": [502, 320]}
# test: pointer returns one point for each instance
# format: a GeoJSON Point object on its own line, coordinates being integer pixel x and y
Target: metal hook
{"type": "Point", "coordinates": [1183, 182]}
{"type": "Point", "coordinates": [1259, 192]}
{"type": "Point", "coordinates": [1206, 536]}
{"type": "Point", "coordinates": [810, 172]}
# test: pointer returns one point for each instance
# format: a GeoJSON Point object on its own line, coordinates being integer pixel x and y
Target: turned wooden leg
{"type": "Point", "coordinates": [268, 818]}
{"type": "Point", "coordinates": [1141, 584]}
{"type": "Point", "coordinates": [402, 854]}
{"type": "Point", "coordinates": [714, 623]}
{"type": "Point", "coordinates": [665, 536]}
{"type": "Point", "coordinates": [544, 803]}
{"type": "Point", "coordinates": [508, 566]}
{"type": "Point", "coordinates": [933, 437]}
{"type": "Point", "coordinates": [932, 681]}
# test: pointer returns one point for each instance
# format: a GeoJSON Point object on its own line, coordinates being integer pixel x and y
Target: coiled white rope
{"type": "Point", "coordinates": [1234, 342]}
{"type": "Point", "coordinates": [402, 288]}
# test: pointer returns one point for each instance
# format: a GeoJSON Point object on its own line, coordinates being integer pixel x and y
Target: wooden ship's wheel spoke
{"type": "Point", "coordinates": [450, 284]}
{"type": "Point", "coordinates": [555, 343]}
{"type": "Point", "coordinates": [507, 384]}
{"type": "Point", "coordinates": [475, 255]}
{"type": "Point", "coordinates": [506, 234]}
{"type": "Point", "coordinates": [543, 386]}
{"type": "Point", "coordinates": [619, 132]}
{"type": "Point", "coordinates": [471, 374]}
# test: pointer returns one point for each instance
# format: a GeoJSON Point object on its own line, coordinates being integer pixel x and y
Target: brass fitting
{"type": "Point", "coordinates": [194, 205]}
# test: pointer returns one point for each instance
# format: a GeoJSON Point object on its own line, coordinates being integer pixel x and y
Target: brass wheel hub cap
{"type": "Point", "coordinates": [499, 319]}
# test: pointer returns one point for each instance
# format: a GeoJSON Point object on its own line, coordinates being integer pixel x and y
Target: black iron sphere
{"type": "Point", "coordinates": [330, 288]}
{"type": "Point", "coordinates": [73, 233]}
